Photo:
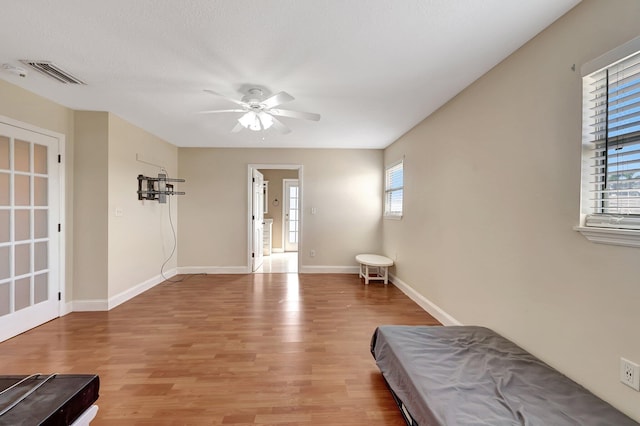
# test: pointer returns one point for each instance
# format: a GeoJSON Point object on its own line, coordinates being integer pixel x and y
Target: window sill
{"type": "Point", "coordinates": [393, 217]}
{"type": "Point", "coordinates": [612, 236]}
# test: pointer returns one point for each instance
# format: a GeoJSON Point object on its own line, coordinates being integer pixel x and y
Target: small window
{"type": "Point", "coordinates": [611, 144]}
{"type": "Point", "coordinates": [393, 190]}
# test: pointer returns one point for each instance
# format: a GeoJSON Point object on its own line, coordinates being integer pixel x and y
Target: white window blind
{"type": "Point", "coordinates": [612, 139]}
{"type": "Point", "coordinates": [394, 188]}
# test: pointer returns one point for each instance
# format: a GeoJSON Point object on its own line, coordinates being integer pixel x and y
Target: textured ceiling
{"type": "Point", "coordinates": [372, 68]}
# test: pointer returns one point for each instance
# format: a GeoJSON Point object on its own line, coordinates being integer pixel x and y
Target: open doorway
{"type": "Point", "coordinates": [278, 218]}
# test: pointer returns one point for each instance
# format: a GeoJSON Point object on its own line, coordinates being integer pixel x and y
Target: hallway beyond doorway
{"type": "Point", "coordinates": [279, 263]}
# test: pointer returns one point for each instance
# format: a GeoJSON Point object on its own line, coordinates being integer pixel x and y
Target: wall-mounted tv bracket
{"type": "Point", "coordinates": [156, 188]}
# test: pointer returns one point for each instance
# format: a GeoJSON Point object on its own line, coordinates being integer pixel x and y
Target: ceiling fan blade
{"type": "Point", "coordinates": [221, 110]}
{"type": "Point", "coordinates": [295, 114]}
{"type": "Point", "coordinates": [279, 126]}
{"type": "Point", "coordinates": [237, 128]}
{"type": "Point", "coordinates": [277, 99]}
{"type": "Point", "coordinates": [235, 101]}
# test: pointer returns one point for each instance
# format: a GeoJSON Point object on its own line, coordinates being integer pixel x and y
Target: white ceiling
{"type": "Point", "coordinates": [372, 68]}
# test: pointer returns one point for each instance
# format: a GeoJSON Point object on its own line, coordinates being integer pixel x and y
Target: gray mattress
{"type": "Point", "coordinates": [465, 375]}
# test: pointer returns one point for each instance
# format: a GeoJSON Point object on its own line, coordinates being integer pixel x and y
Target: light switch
{"type": "Point", "coordinates": [119, 212]}
{"type": "Point", "coordinates": [314, 210]}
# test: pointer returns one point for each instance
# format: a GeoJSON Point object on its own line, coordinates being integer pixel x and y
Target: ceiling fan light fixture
{"type": "Point", "coordinates": [265, 119]}
{"type": "Point", "coordinates": [247, 120]}
{"type": "Point", "coordinates": [262, 114]}
{"type": "Point", "coordinates": [256, 121]}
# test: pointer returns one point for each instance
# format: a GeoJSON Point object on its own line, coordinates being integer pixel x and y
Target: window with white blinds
{"type": "Point", "coordinates": [393, 190]}
{"type": "Point", "coordinates": [611, 181]}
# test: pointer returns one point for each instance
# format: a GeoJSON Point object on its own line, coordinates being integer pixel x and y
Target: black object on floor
{"type": "Point", "coordinates": [51, 399]}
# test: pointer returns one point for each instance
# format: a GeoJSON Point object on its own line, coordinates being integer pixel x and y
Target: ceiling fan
{"type": "Point", "coordinates": [259, 112]}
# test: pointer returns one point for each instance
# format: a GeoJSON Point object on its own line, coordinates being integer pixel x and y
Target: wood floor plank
{"type": "Point", "coordinates": [259, 349]}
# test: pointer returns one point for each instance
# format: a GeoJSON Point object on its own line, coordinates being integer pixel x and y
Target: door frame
{"type": "Point", "coordinates": [64, 307]}
{"type": "Point", "coordinates": [257, 212]}
{"type": "Point", "coordinates": [249, 228]}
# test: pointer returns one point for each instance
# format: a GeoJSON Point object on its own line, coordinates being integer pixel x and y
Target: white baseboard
{"type": "Point", "coordinates": [129, 294]}
{"type": "Point", "coordinates": [307, 269]}
{"type": "Point", "coordinates": [213, 270]}
{"type": "Point", "coordinates": [67, 308]}
{"type": "Point", "coordinates": [426, 304]}
{"type": "Point", "coordinates": [93, 305]}
{"type": "Point", "coordinates": [244, 270]}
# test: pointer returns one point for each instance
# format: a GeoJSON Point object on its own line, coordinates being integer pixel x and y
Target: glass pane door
{"type": "Point", "coordinates": [292, 214]}
{"type": "Point", "coordinates": [28, 245]}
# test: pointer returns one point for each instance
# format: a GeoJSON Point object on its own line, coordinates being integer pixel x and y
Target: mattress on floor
{"type": "Point", "coordinates": [466, 375]}
{"type": "Point", "coordinates": [58, 401]}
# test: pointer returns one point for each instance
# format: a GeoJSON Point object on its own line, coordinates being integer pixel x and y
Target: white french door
{"type": "Point", "coordinates": [29, 239]}
{"type": "Point", "coordinates": [291, 214]}
{"type": "Point", "coordinates": [257, 214]}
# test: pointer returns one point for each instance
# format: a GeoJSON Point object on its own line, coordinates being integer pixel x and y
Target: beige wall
{"type": "Point", "coordinates": [492, 193]}
{"type": "Point", "coordinates": [141, 239]}
{"type": "Point", "coordinates": [114, 254]}
{"type": "Point", "coordinates": [117, 253]}
{"type": "Point", "coordinates": [275, 178]}
{"type": "Point", "coordinates": [91, 195]}
{"type": "Point", "coordinates": [21, 105]}
{"type": "Point", "coordinates": [344, 186]}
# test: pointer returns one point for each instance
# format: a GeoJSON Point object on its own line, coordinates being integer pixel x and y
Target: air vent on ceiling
{"type": "Point", "coordinates": [52, 70]}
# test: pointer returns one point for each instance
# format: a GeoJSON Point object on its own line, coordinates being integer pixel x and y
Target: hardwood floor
{"type": "Point", "coordinates": [261, 349]}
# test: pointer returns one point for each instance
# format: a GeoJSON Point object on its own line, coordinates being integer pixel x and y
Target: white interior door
{"type": "Point", "coordinates": [29, 239]}
{"type": "Point", "coordinates": [291, 213]}
{"type": "Point", "coordinates": [257, 215]}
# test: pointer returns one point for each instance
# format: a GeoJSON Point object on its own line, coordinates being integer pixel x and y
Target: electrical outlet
{"type": "Point", "coordinates": [630, 374]}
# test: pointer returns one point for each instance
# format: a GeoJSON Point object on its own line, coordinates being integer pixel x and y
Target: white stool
{"type": "Point", "coordinates": [381, 264]}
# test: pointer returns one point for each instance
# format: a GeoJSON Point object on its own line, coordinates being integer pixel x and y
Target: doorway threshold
{"type": "Point", "coordinates": [279, 263]}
